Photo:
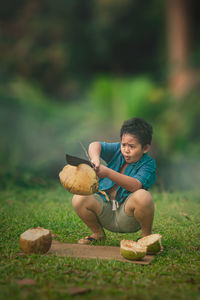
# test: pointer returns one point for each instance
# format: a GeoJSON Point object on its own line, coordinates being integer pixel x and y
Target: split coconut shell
{"type": "Point", "coordinates": [79, 180]}
{"type": "Point", "coordinates": [152, 242]}
{"type": "Point", "coordinates": [36, 240]}
{"type": "Point", "coordinates": [132, 250]}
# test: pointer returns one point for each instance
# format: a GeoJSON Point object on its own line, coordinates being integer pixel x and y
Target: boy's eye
{"type": "Point", "coordinates": [130, 146]}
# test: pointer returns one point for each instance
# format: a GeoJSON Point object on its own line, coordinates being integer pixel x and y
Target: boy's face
{"type": "Point", "coordinates": [131, 149]}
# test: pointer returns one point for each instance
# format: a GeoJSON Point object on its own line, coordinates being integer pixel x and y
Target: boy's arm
{"type": "Point", "coordinates": [94, 152]}
{"type": "Point", "coordinates": [126, 182]}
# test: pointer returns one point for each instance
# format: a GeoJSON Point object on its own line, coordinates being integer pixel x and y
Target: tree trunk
{"type": "Point", "coordinates": [179, 43]}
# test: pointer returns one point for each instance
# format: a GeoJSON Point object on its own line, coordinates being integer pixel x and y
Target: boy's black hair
{"type": "Point", "coordinates": [139, 128]}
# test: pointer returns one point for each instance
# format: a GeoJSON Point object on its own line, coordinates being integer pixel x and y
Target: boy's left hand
{"type": "Point", "coordinates": [102, 171]}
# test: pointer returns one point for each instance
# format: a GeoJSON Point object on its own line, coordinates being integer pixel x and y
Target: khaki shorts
{"type": "Point", "coordinates": [118, 220]}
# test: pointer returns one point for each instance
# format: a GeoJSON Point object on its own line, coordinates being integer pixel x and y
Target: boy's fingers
{"type": "Point", "coordinates": [95, 164]}
{"type": "Point", "coordinates": [96, 168]}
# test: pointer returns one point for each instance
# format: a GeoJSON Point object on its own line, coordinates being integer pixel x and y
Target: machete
{"type": "Point", "coordinates": [75, 161]}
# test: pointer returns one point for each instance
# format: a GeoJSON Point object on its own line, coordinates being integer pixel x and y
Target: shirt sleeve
{"type": "Point", "coordinates": [147, 174]}
{"type": "Point", "coordinates": [108, 150]}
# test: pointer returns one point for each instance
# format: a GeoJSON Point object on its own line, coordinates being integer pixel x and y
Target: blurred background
{"type": "Point", "coordinates": [72, 71]}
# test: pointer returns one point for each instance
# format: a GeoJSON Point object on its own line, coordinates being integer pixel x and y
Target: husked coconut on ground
{"type": "Point", "coordinates": [36, 240]}
{"type": "Point", "coordinates": [80, 180]}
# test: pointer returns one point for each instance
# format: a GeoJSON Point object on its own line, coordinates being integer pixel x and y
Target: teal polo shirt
{"type": "Point", "coordinates": [144, 170]}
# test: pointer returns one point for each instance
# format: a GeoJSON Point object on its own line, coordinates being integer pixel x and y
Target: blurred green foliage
{"type": "Point", "coordinates": [176, 123]}
{"type": "Point", "coordinates": [63, 44]}
{"type": "Point", "coordinates": [36, 132]}
{"type": "Point", "coordinates": [121, 98]}
{"type": "Point", "coordinates": [75, 70]}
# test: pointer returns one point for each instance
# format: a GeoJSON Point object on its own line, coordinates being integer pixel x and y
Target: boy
{"type": "Point", "coordinates": [125, 179]}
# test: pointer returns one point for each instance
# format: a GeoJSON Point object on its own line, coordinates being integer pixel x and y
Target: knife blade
{"type": "Point", "coordinates": [75, 161]}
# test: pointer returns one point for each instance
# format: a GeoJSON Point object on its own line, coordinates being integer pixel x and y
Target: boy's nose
{"type": "Point", "coordinates": [127, 149]}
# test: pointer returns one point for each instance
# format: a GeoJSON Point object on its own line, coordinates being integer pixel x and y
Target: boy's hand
{"type": "Point", "coordinates": [96, 163]}
{"type": "Point", "coordinates": [102, 171]}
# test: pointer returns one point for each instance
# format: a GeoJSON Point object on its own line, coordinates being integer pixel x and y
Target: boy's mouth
{"type": "Point", "coordinates": [127, 157]}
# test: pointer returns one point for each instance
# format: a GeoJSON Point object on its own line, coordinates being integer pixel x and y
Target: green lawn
{"type": "Point", "coordinates": [174, 273]}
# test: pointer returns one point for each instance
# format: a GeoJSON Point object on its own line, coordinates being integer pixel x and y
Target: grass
{"type": "Point", "coordinates": [174, 273]}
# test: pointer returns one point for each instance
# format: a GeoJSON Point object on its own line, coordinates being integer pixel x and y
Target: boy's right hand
{"type": "Point", "coordinates": [96, 163]}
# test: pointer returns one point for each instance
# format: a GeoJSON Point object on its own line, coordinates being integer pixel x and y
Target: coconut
{"type": "Point", "coordinates": [36, 240]}
{"type": "Point", "coordinates": [132, 250]}
{"type": "Point", "coordinates": [152, 242]}
{"type": "Point", "coordinates": [80, 180]}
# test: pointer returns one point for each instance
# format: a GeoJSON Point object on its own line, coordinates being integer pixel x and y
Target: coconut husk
{"type": "Point", "coordinates": [132, 250]}
{"type": "Point", "coordinates": [36, 240]}
{"type": "Point", "coordinates": [152, 242]}
{"type": "Point", "coordinates": [79, 180]}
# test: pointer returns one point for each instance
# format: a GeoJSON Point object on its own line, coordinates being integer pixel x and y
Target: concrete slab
{"type": "Point", "coordinates": [93, 252]}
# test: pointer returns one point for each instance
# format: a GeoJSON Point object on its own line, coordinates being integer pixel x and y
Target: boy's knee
{"type": "Point", "coordinates": [142, 199]}
{"type": "Point", "coordinates": [78, 201]}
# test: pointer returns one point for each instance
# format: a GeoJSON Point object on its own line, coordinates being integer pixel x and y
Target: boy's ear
{"type": "Point", "coordinates": [146, 148]}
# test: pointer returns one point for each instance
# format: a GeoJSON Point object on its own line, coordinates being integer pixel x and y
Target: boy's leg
{"type": "Point", "coordinates": [140, 204]}
{"type": "Point", "coordinates": [87, 208]}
